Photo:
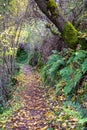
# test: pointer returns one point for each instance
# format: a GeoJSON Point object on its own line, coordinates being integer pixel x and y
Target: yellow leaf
{"type": "Point", "coordinates": [44, 128]}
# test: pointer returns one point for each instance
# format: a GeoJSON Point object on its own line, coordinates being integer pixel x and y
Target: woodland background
{"type": "Point", "coordinates": [51, 37]}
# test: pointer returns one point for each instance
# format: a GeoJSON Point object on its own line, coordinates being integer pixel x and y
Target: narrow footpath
{"type": "Point", "coordinates": [32, 116]}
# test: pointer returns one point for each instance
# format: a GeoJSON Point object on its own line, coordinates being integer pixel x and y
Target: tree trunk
{"type": "Point", "coordinates": [54, 13]}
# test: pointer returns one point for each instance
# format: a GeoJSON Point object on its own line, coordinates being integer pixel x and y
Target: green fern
{"type": "Point", "coordinates": [50, 71]}
{"type": "Point", "coordinates": [66, 68]}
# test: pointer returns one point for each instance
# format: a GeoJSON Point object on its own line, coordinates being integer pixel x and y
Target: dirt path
{"type": "Point", "coordinates": [31, 116]}
{"type": "Point", "coordinates": [39, 108]}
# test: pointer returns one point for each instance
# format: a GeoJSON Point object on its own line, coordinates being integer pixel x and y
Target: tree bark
{"type": "Point", "coordinates": [54, 13]}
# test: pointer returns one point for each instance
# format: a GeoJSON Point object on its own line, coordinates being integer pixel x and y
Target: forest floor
{"type": "Point", "coordinates": [35, 113]}
{"type": "Point", "coordinates": [39, 105]}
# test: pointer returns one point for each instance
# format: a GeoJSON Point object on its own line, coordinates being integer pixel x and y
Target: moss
{"type": "Point", "coordinates": [70, 35]}
{"type": "Point", "coordinates": [52, 7]}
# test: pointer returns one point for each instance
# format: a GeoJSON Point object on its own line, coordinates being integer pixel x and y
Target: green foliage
{"type": "Point", "coordinates": [73, 71]}
{"type": "Point", "coordinates": [21, 56]}
{"type": "Point", "coordinates": [67, 69]}
{"type": "Point", "coordinates": [55, 62]}
{"type": "Point", "coordinates": [40, 62]}
{"type": "Point", "coordinates": [32, 33]}
{"type": "Point", "coordinates": [3, 4]}
{"type": "Point", "coordinates": [76, 110]}
{"type": "Point", "coordinates": [1, 109]}
{"type": "Point", "coordinates": [6, 115]}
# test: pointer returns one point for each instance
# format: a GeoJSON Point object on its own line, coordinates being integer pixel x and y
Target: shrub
{"type": "Point", "coordinates": [21, 56]}
{"type": "Point", "coordinates": [67, 69]}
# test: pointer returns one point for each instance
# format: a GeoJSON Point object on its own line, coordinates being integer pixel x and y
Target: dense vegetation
{"type": "Point", "coordinates": [50, 38]}
{"type": "Point", "coordinates": [66, 70]}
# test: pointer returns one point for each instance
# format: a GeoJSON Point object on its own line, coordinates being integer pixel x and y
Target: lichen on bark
{"type": "Point", "coordinates": [70, 35]}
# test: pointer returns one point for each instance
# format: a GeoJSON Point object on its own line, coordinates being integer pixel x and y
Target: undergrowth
{"type": "Point", "coordinates": [13, 104]}
{"type": "Point", "coordinates": [21, 56]}
{"type": "Point", "coordinates": [66, 71]}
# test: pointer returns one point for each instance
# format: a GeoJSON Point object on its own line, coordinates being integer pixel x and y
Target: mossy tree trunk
{"type": "Point", "coordinates": [54, 13]}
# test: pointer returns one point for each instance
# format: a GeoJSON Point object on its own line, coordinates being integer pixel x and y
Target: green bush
{"type": "Point", "coordinates": [21, 56]}
{"type": "Point", "coordinates": [66, 68]}
{"type": "Point", "coordinates": [50, 70]}
{"type": "Point", "coordinates": [67, 71]}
